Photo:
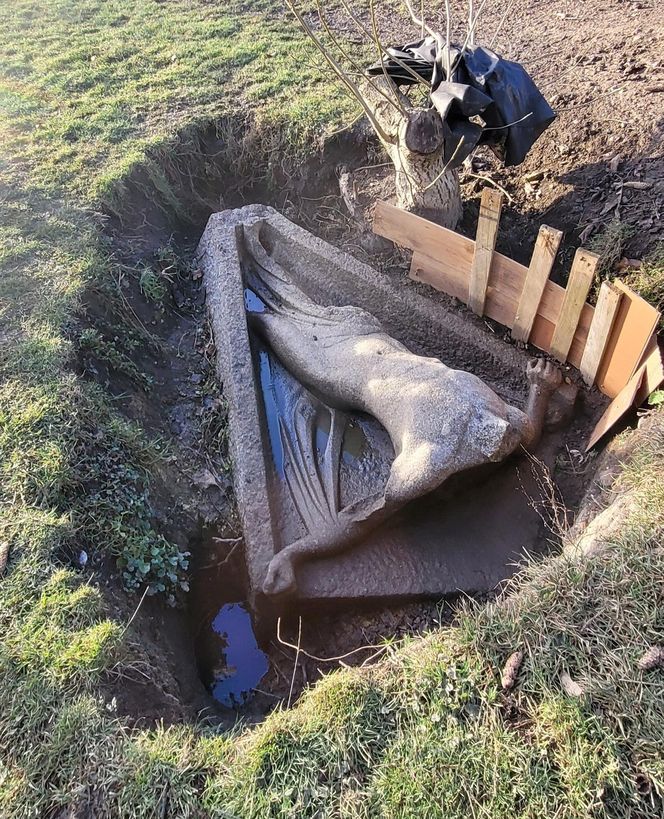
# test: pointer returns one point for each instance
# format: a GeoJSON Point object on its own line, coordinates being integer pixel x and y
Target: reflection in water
{"type": "Point", "coordinates": [244, 663]}
{"type": "Point", "coordinates": [354, 443]}
{"type": "Point", "coordinates": [279, 404]}
{"type": "Point", "coordinates": [271, 390]}
{"type": "Point", "coordinates": [253, 302]}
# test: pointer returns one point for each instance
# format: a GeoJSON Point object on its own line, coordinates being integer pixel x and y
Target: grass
{"type": "Point", "coordinates": [648, 280]}
{"type": "Point", "coordinates": [90, 93]}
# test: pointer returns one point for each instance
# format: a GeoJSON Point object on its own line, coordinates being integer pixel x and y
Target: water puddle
{"type": "Point", "coordinates": [243, 664]}
{"type": "Point", "coordinates": [253, 302]}
{"type": "Point", "coordinates": [273, 398]}
{"type": "Point", "coordinates": [354, 444]}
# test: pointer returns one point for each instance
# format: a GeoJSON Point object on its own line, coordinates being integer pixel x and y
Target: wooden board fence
{"type": "Point", "coordinates": [609, 343]}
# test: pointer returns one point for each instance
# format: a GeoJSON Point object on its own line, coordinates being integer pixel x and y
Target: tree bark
{"type": "Point", "coordinates": [415, 144]}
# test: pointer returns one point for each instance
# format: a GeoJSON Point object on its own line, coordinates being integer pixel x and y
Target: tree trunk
{"type": "Point", "coordinates": [415, 144]}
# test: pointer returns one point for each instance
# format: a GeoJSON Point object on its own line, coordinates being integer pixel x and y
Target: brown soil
{"type": "Point", "coordinates": [600, 64]}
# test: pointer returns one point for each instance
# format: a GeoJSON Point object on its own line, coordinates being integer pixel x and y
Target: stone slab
{"type": "Point", "coordinates": [436, 546]}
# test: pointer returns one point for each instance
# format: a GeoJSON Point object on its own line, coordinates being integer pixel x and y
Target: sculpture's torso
{"type": "Point", "coordinates": [441, 421]}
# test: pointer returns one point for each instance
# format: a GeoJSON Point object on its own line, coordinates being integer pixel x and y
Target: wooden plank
{"type": "Point", "coordinates": [506, 284]}
{"type": "Point", "coordinates": [580, 280]}
{"type": "Point", "coordinates": [618, 407]}
{"type": "Point", "coordinates": [443, 259]}
{"type": "Point", "coordinates": [541, 262]}
{"type": "Point", "coordinates": [606, 310]}
{"type": "Point", "coordinates": [485, 242]}
{"type": "Point", "coordinates": [635, 323]}
{"type": "Point", "coordinates": [417, 233]}
{"type": "Point", "coordinates": [647, 378]}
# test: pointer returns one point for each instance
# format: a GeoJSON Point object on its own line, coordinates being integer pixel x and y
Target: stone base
{"type": "Point", "coordinates": [440, 545]}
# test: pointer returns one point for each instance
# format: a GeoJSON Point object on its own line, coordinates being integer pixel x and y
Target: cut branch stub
{"type": "Point", "coordinates": [425, 131]}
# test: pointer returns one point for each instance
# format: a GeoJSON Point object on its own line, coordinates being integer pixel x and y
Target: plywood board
{"type": "Point", "coordinates": [606, 310]}
{"type": "Point", "coordinates": [541, 262]}
{"type": "Point", "coordinates": [635, 323]}
{"type": "Point", "coordinates": [443, 259]}
{"type": "Point", "coordinates": [578, 286]}
{"type": "Point", "coordinates": [625, 399]}
{"type": "Point", "coordinates": [417, 233]}
{"type": "Point", "coordinates": [485, 243]}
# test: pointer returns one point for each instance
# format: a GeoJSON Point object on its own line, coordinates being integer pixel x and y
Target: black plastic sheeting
{"type": "Point", "coordinates": [481, 84]}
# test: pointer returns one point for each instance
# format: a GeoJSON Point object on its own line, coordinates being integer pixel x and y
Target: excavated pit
{"type": "Point", "coordinates": [436, 548]}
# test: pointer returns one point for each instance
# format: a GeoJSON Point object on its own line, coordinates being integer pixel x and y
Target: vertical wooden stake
{"type": "Point", "coordinates": [606, 310]}
{"type": "Point", "coordinates": [541, 262]}
{"type": "Point", "coordinates": [580, 279]}
{"type": "Point", "coordinates": [485, 242]}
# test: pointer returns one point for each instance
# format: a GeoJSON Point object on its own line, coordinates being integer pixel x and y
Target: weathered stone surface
{"type": "Point", "coordinates": [440, 421]}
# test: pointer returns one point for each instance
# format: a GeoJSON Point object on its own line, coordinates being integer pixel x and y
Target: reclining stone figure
{"type": "Point", "coordinates": [441, 421]}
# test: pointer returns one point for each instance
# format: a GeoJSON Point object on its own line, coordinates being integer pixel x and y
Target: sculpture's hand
{"type": "Point", "coordinates": [280, 578]}
{"type": "Point", "coordinates": [544, 374]}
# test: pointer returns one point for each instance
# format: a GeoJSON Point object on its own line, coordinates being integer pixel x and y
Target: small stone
{"type": "Point", "coordinates": [653, 658]}
{"type": "Point", "coordinates": [638, 186]}
{"type": "Point", "coordinates": [204, 479]}
{"type": "Point", "coordinates": [570, 686]}
{"type": "Point", "coordinates": [511, 670]}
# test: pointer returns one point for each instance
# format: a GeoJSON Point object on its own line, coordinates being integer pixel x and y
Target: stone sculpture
{"type": "Point", "coordinates": [441, 421]}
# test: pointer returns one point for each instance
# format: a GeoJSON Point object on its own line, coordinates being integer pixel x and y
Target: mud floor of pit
{"type": "Point", "coordinates": [192, 494]}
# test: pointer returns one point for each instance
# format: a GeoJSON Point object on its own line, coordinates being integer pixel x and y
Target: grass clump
{"type": "Point", "coordinates": [609, 244]}
{"type": "Point", "coordinates": [112, 463]}
{"type": "Point", "coordinates": [92, 341]}
{"type": "Point", "coordinates": [648, 280]}
{"type": "Point", "coordinates": [152, 285]}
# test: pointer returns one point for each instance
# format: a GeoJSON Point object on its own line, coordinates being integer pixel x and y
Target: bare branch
{"type": "Point", "coordinates": [374, 27]}
{"type": "Point", "coordinates": [352, 88]}
{"type": "Point", "coordinates": [447, 165]}
{"type": "Point", "coordinates": [326, 659]}
{"type": "Point", "coordinates": [417, 20]}
{"type": "Point", "coordinates": [492, 182]}
{"type": "Point", "coordinates": [360, 25]}
{"type": "Point", "coordinates": [395, 102]}
{"type": "Point", "coordinates": [470, 35]}
{"type": "Point", "coordinates": [496, 31]}
{"type": "Point", "coordinates": [448, 26]}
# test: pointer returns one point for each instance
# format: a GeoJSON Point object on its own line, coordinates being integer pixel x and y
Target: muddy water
{"type": "Point", "coordinates": [231, 663]}
{"type": "Point", "coordinates": [242, 664]}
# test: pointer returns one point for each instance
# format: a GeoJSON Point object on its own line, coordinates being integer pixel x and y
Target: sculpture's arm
{"type": "Point", "coordinates": [544, 378]}
{"type": "Point", "coordinates": [351, 526]}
